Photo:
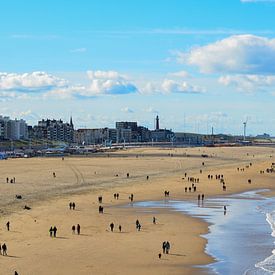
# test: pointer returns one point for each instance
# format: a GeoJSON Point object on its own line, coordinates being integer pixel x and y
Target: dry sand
{"type": "Point", "coordinates": [97, 250]}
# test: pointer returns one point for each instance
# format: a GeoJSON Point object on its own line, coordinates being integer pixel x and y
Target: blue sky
{"type": "Point", "coordinates": [196, 64]}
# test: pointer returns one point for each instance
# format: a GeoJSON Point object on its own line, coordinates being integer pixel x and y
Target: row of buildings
{"type": "Point", "coordinates": [123, 132]}
{"type": "Point", "coordinates": [13, 129]}
{"type": "Point", "coordinates": [57, 130]}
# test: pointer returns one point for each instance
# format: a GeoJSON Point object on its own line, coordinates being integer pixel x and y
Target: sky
{"type": "Point", "coordinates": [196, 64]}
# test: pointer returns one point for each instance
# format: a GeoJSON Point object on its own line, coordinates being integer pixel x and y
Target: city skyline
{"type": "Point", "coordinates": [197, 65]}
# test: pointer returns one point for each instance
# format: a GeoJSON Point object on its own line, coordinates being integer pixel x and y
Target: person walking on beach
{"type": "Point", "coordinates": [5, 249]}
{"type": "Point", "coordinates": [73, 205]}
{"type": "Point", "coordinates": [163, 247]}
{"type": "Point", "coordinates": [51, 231]}
{"type": "Point", "coordinates": [167, 247]}
{"type": "Point", "coordinates": [54, 231]}
{"type": "Point", "coordinates": [154, 220]}
{"type": "Point", "coordinates": [78, 229]}
{"type": "Point", "coordinates": [119, 228]}
{"type": "Point", "coordinates": [7, 180]}
{"type": "Point", "coordinates": [8, 225]}
{"type": "Point", "coordinates": [70, 205]}
{"type": "Point", "coordinates": [202, 197]}
{"type": "Point", "coordinates": [137, 223]}
{"type": "Point", "coordinates": [73, 229]}
{"type": "Point", "coordinates": [224, 210]}
{"type": "Point", "coordinates": [112, 226]}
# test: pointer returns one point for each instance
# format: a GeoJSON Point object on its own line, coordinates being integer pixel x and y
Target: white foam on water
{"type": "Point", "coordinates": [268, 264]}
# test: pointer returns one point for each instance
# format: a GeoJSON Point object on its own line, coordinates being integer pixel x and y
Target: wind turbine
{"type": "Point", "coordinates": [244, 129]}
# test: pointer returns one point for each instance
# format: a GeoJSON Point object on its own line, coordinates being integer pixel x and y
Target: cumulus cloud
{"type": "Point", "coordinates": [44, 85]}
{"type": "Point", "coordinates": [30, 82]}
{"type": "Point", "coordinates": [240, 54]}
{"type": "Point", "coordinates": [110, 83]}
{"type": "Point", "coordinates": [249, 83]}
{"type": "Point", "coordinates": [101, 82]}
{"type": "Point", "coordinates": [168, 86]}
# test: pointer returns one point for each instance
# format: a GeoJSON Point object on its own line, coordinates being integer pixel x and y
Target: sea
{"type": "Point", "coordinates": [240, 238]}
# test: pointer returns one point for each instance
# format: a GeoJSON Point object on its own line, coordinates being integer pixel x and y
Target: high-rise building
{"type": "Point", "coordinates": [13, 129]}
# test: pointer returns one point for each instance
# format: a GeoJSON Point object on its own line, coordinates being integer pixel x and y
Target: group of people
{"type": "Point", "coordinates": [200, 197]}
{"type": "Point", "coordinates": [10, 180]}
{"type": "Point", "coordinates": [166, 247]}
{"type": "Point", "coordinates": [112, 226]}
{"type": "Point", "coordinates": [53, 231]}
{"type": "Point", "coordinates": [77, 229]}
{"type": "Point", "coordinates": [72, 205]}
{"type": "Point", "coordinates": [3, 249]}
{"type": "Point", "coordinates": [116, 196]}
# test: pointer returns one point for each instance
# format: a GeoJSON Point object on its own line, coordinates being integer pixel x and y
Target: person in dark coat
{"type": "Point", "coordinates": [54, 231]}
{"type": "Point", "coordinates": [78, 229]}
{"type": "Point", "coordinates": [8, 225]}
{"type": "Point", "coordinates": [5, 249]}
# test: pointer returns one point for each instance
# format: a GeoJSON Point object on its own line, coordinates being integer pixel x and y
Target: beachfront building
{"type": "Point", "coordinates": [13, 129]}
{"type": "Point", "coordinates": [91, 136]}
{"type": "Point", "coordinates": [55, 130]}
{"type": "Point", "coordinates": [129, 131]}
{"type": "Point", "coordinates": [161, 135]}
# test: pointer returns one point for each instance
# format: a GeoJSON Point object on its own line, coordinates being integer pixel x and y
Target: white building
{"type": "Point", "coordinates": [13, 129]}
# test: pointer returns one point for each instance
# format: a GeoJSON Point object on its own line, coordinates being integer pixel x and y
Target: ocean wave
{"type": "Point", "coordinates": [268, 264]}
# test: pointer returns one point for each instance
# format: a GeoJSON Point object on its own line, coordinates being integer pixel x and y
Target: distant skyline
{"type": "Point", "coordinates": [196, 64]}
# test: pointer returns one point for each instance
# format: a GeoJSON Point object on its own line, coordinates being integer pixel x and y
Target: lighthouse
{"type": "Point", "coordinates": [157, 122]}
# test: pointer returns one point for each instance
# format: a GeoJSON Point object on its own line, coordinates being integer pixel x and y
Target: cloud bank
{"type": "Point", "coordinates": [237, 54]}
{"type": "Point", "coordinates": [30, 82]}
{"type": "Point", "coordinates": [249, 83]}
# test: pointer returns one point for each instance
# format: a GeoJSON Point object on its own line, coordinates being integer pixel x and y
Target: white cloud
{"type": "Point", "coordinates": [109, 82]}
{"type": "Point", "coordinates": [67, 92]}
{"type": "Point", "coordinates": [168, 86]}
{"type": "Point", "coordinates": [180, 74]}
{"type": "Point", "coordinates": [249, 83]}
{"type": "Point", "coordinates": [248, 54]}
{"type": "Point", "coordinates": [29, 82]}
{"type": "Point", "coordinates": [44, 85]}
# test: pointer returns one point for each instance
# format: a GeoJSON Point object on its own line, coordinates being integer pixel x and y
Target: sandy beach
{"type": "Point", "coordinates": [97, 250]}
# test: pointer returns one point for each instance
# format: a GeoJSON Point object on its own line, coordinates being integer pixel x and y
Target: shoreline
{"type": "Point", "coordinates": [183, 230]}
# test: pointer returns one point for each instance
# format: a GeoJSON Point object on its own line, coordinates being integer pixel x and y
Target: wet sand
{"type": "Point", "coordinates": [97, 250]}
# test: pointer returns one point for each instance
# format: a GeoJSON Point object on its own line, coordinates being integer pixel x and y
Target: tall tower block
{"type": "Point", "coordinates": [157, 123]}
